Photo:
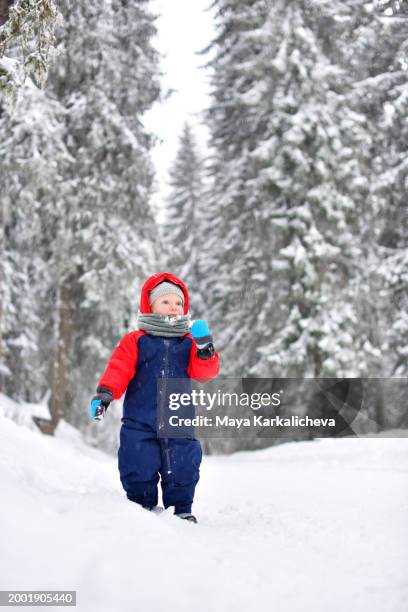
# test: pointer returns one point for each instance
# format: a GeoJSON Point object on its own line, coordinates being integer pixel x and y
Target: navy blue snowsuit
{"type": "Point", "coordinates": [142, 455]}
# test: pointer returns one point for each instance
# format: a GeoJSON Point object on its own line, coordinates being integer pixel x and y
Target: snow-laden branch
{"type": "Point", "coordinates": [27, 44]}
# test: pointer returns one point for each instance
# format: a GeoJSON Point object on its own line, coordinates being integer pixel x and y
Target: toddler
{"type": "Point", "coordinates": [162, 347]}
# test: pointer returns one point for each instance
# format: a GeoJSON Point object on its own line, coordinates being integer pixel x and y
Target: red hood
{"type": "Point", "coordinates": [155, 280]}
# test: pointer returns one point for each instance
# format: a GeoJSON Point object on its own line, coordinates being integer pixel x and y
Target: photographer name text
{"type": "Point", "coordinates": [255, 421]}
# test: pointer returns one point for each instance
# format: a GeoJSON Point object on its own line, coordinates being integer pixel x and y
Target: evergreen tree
{"type": "Point", "coordinates": [313, 179]}
{"type": "Point", "coordinates": [181, 235]}
{"type": "Point", "coordinates": [96, 234]}
{"type": "Point", "coordinates": [293, 140]}
{"type": "Point", "coordinates": [233, 253]}
{"type": "Point", "coordinates": [389, 186]}
{"type": "Point", "coordinates": [31, 146]}
{"type": "Point", "coordinates": [106, 79]}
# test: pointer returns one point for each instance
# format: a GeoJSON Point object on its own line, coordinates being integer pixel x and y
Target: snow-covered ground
{"type": "Point", "coordinates": [316, 526]}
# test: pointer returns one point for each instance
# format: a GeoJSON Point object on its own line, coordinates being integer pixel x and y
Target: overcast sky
{"type": "Point", "coordinates": [184, 27]}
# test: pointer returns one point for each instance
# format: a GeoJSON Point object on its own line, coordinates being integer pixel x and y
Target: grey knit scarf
{"type": "Point", "coordinates": [163, 325]}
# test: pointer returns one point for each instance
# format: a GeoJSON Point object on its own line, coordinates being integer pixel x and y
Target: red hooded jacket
{"type": "Point", "coordinates": [122, 366]}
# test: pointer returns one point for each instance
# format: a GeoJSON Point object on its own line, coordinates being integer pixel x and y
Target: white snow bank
{"type": "Point", "coordinates": [304, 526]}
{"type": "Point", "coordinates": [22, 412]}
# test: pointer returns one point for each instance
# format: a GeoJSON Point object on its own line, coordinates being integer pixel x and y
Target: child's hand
{"type": "Point", "coordinates": [203, 339]}
{"type": "Point", "coordinates": [100, 403]}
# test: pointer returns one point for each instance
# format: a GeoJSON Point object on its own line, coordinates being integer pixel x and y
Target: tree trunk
{"type": "Point", "coordinates": [4, 10]}
{"type": "Point", "coordinates": [60, 362]}
{"type": "Point", "coordinates": [379, 405]}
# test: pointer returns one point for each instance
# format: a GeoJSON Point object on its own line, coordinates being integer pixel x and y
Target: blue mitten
{"type": "Point", "coordinates": [100, 403]}
{"type": "Point", "coordinates": [203, 339]}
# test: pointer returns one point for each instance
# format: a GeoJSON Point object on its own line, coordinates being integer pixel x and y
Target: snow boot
{"type": "Point", "coordinates": [155, 509]}
{"type": "Point", "coordinates": [187, 517]}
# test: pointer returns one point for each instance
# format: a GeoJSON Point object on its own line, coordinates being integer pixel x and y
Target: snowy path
{"type": "Point", "coordinates": [309, 526]}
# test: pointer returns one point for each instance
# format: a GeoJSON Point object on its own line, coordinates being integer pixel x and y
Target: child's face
{"type": "Point", "coordinates": [168, 304]}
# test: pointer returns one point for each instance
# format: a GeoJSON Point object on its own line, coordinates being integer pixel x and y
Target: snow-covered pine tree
{"type": "Point", "coordinates": [318, 186]}
{"type": "Point", "coordinates": [33, 157]}
{"type": "Point", "coordinates": [181, 234]}
{"type": "Point", "coordinates": [291, 194]}
{"type": "Point", "coordinates": [371, 38]}
{"type": "Point", "coordinates": [97, 232]}
{"type": "Point", "coordinates": [106, 78]}
{"type": "Point", "coordinates": [370, 52]}
{"type": "Point", "coordinates": [233, 255]}
{"type": "Point", "coordinates": [278, 249]}
{"type": "Point", "coordinates": [371, 46]}
{"type": "Point", "coordinates": [26, 48]}
{"type": "Point", "coordinates": [389, 187]}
